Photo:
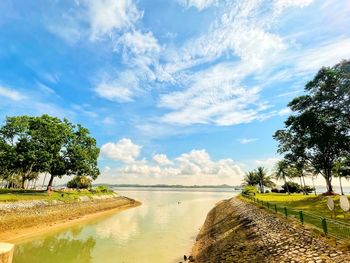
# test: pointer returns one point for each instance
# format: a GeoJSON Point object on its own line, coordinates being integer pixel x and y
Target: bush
{"type": "Point", "coordinates": [249, 190]}
{"type": "Point", "coordinates": [292, 187]}
{"type": "Point", "coordinates": [274, 190]}
{"type": "Point", "coordinates": [267, 191]}
{"type": "Point", "coordinates": [102, 189]}
{"type": "Point", "coordinates": [307, 189]}
{"type": "Point", "coordinates": [80, 182]}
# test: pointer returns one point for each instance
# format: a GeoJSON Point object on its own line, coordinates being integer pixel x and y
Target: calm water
{"type": "Point", "coordinates": [163, 229]}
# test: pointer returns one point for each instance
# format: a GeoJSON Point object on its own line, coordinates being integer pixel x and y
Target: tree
{"type": "Point", "coordinates": [317, 134]}
{"type": "Point", "coordinates": [263, 179]}
{"type": "Point", "coordinates": [341, 169]}
{"type": "Point", "coordinates": [281, 172]}
{"type": "Point", "coordinates": [31, 145]}
{"type": "Point", "coordinates": [80, 182]}
{"type": "Point", "coordinates": [250, 178]}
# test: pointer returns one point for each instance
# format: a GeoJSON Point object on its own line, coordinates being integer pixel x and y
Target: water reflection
{"type": "Point", "coordinates": [161, 230]}
{"type": "Point", "coordinates": [54, 249]}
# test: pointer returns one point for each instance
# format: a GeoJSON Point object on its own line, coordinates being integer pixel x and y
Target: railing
{"type": "Point", "coordinates": [337, 229]}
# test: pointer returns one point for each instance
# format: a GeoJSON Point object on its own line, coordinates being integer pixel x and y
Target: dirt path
{"type": "Point", "coordinates": [237, 231]}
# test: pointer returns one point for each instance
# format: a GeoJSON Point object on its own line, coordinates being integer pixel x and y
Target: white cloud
{"type": "Point", "coordinates": [124, 150]}
{"type": "Point", "coordinates": [280, 5]}
{"type": "Point", "coordinates": [284, 111]}
{"type": "Point", "coordinates": [105, 16]}
{"type": "Point", "coordinates": [246, 140]}
{"type": "Point", "coordinates": [268, 163]}
{"type": "Point", "coordinates": [194, 167]}
{"type": "Point", "coordinates": [326, 54]}
{"type": "Point", "coordinates": [214, 96]}
{"type": "Point", "coordinates": [120, 89]}
{"type": "Point", "coordinates": [161, 159]}
{"type": "Point", "coordinates": [199, 4]}
{"type": "Point", "coordinates": [139, 43]}
{"type": "Point", "coordinates": [11, 94]}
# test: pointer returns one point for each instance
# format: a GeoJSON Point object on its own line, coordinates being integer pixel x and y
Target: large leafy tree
{"type": "Point", "coordinates": [318, 132]}
{"type": "Point", "coordinates": [30, 145]}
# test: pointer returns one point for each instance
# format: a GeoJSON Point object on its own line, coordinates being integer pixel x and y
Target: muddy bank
{"type": "Point", "coordinates": [236, 231]}
{"type": "Point", "coordinates": [26, 219]}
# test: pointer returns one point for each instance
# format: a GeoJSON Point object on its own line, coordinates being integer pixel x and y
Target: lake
{"type": "Point", "coordinates": [162, 229]}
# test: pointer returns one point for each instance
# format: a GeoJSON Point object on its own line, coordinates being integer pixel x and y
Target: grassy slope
{"type": "Point", "coordinates": [7, 195]}
{"type": "Point", "coordinates": [309, 203]}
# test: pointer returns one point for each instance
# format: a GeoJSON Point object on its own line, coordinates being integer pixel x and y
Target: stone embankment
{"type": "Point", "coordinates": [22, 218]}
{"type": "Point", "coordinates": [237, 231]}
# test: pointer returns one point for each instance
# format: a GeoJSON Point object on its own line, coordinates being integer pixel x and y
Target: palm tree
{"type": "Point", "coordinates": [281, 172]}
{"type": "Point", "coordinates": [263, 179]}
{"type": "Point", "coordinates": [250, 178]}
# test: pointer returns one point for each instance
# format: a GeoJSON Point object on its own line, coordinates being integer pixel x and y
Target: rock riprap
{"type": "Point", "coordinates": [237, 231]}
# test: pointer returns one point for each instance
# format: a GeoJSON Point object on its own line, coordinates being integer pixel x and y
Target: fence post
{"type": "Point", "coordinates": [301, 215]}
{"type": "Point", "coordinates": [275, 208]}
{"type": "Point", "coordinates": [285, 211]}
{"type": "Point", "coordinates": [268, 205]}
{"type": "Point", "coordinates": [324, 225]}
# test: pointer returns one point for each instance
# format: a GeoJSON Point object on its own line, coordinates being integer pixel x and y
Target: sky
{"type": "Point", "coordinates": [175, 92]}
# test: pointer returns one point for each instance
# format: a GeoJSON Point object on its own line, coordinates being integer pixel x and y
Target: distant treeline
{"type": "Point", "coordinates": [173, 186]}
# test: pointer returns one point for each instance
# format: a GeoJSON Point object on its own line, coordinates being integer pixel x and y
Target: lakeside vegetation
{"type": "Point", "coordinates": [316, 138]}
{"type": "Point", "coordinates": [307, 203]}
{"type": "Point", "coordinates": [30, 146]}
{"type": "Point", "coordinates": [71, 195]}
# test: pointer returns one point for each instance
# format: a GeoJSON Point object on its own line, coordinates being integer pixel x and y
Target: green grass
{"type": "Point", "coordinates": [9, 195]}
{"type": "Point", "coordinates": [307, 203]}
{"type": "Point", "coordinates": [314, 209]}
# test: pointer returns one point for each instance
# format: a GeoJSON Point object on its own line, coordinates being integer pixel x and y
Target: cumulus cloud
{"type": "Point", "coordinates": [124, 150]}
{"type": "Point", "coordinates": [194, 167]}
{"type": "Point", "coordinates": [11, 94]}
{"type": "Point", "coordinates": [161, 159]}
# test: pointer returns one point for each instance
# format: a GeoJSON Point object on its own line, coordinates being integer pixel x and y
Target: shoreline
{"type": "Point", "coordinates": [238, 231]}
{"type": "Point", "coordinates": [72, 213]}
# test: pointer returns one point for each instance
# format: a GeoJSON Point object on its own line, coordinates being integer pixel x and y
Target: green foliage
{"type": "Point", "coordinates": [296, 188]}
{"type": "Point", "coordinates": [102, 189]}
{"type": "Point", "coordinates": [80, 182]}
{"type": "Point", "coordinates": [258, 177]}
{"type": "Point", "coordinates": [30, 145]}
{"type": "Point", "coordinates": [318, 132]}
{"type": "Point", "coordinates": [249, 190]}
{"type": "Point", "coordinates": [291, 186]}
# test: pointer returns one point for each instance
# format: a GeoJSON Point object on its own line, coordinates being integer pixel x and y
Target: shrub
{"type": "Point", "coordinates": [102, 189]}
{"type": "Point", "coordinates": [307, 189]}
{"type": "Point", "coordinates": [292, 187]}
{"type": "Point", "coordinates": [249, 190]}
{"type": "Point", "coordinates": [267, 191]}
{"type": "Point", "coordinates": [80, 182]}
{"type": "Point", "coordinates": [274, 190]}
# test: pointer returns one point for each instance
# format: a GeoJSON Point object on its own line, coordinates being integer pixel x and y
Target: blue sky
{"type": "Point", "coordinates": [182, 91]}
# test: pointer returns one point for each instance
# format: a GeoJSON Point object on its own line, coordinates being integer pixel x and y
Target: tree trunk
{"type": "Point", "coordinates": [23, 182]}
{"type": "Point", "coordinates": [341, 186]}
{"type": "Point", "coordinates": [328, 183]}
{"type": "Point", "coordinates": [285, 183]}
{"type": "Point", "coordinates": [50, 182]}
{"type": "Point", "coordinates": [301, 184]}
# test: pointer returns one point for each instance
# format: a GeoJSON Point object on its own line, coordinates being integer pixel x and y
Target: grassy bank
{"type": "Point", "coordinates": [308, 203]}
{"type": "Point", "coordinates": [11, 195]}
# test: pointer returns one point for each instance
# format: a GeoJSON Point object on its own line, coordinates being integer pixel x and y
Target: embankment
{"type": "Point", "coordinates": [237, 231]}
{"type": "Point", "coordinates": [26, 218]}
